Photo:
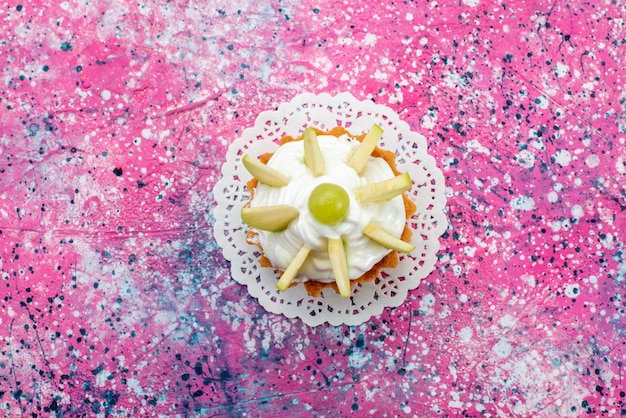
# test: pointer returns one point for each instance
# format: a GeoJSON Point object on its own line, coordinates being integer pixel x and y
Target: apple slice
{"type": "Point", "coordinates": [339, 264]}
{"type": "Point", "coordinates": [313, 157]}
{"type": "Point", "coordinates": [385, 239]}
{"type": "Point", "coordinates": [361, 154]}
{"type": "Point", "coordinates": [269, 218]}
{"type": "Point", "coordinates": [263, 173]}
{"type": "Point", "coordinates": [384, 190]}
{"type": "Point", "coordinates": [292, 269]}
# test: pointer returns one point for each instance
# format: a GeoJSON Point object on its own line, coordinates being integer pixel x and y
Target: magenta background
{"type": "Point", "coordinates": [116, 301]}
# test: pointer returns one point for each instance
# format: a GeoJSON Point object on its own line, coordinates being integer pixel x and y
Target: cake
{"type": "Point", "coordinates": [328, 209]}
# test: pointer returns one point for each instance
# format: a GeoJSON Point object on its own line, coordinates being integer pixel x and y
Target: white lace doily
{"type": "Point", "coordinates": [325, 112]}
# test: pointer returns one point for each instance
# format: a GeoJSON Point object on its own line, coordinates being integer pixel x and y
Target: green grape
{"type": "Point", "coordinates": [329, 203]}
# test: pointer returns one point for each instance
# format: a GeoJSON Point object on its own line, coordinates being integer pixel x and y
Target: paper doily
{"type": "Point", "coordinates": [325, 112]}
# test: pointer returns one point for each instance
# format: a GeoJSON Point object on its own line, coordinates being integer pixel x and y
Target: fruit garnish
{"type": "Point", "coordinates": [361, 154]}
{"type": "Point", "coordinates": [384, 190]}
{"type": "Point", "coordinates": [292, 269]}
{"type": "Point", "coordinates": [329, 203]}
{"type": "Point", "coordinates": [385, 239]}
{"type": "Point", "coordinates": [269, 218]}
{"type": "Point", "coordinates": [313, 157]}
{"type": "Point", "coordinates": [263, 173]}
{"type": "Point", "coordinates": [339, 264]}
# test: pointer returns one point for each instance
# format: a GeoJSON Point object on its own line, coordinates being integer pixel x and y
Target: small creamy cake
{"type": "Point", "coordinates": [328, 209]}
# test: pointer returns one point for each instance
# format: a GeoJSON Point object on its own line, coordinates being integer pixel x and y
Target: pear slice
{"type": "Point", "coordinates": [292, 269]}
{"type": "Point", "coordinates": [339, 264]}
{"type": "Point", "coordinates": [385, 239]}
{"type": "Point", "coordinates": [361, 154]}
{"type": "Point", "coordinates": [384, 190]}
{"type": "Point", "coordinates": [263, 173]}
{"type": "Point", "coordinates": [269, 218]}
{"type": "Point", "coordinates": [313, 157]}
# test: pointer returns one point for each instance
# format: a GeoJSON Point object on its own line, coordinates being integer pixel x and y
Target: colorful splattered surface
{"type": "Point", "coordinates": [114, 121]}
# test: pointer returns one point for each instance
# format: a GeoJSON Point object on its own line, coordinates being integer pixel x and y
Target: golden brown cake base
{"type": "Point", "coordinates": [313, 287]}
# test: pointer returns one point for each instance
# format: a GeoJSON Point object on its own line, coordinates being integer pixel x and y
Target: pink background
{"type": "Point", "coordinates": [114, 122]}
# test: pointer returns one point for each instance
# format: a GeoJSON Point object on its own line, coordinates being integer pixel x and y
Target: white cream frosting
{"type": "Point", "coordinates": [361, 252]}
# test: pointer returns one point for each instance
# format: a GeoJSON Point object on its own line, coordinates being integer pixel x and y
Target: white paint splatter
{"type": "Point", "coordinates": [101, 378]}
{"type": "Point", "coordinates": [561, 70]}
{"type": "Point", "coordinates": [379, 75]}
{"type": "Point", "coordinates": [456, 400]}
{"type": "Point", "coordinates": [502, 349]}
{"type": "Point", "coordinates": [370, 39]}
{"type": "Point", "coordinates": [620, 165]}
{"type": "Point", "coordinates": [427, 303]}
{"type": "Point", "coordinates": [466, 334]}
{"type": "Point", "coordinates": [358, 359]}
{"type": "Point", "coordinates": [106, 95]}
{"type": "Point", "coordinates": [474, 145]}
{"type": "Point", "coordinates": [344, 41]}
{"type": "Point", "coordinates": [541, 102]}
{"type": "Point", "coordinates": [553, 197]}
{"type": "Point", "coordinates": [428, 122]}
{"type": "Point", "coordinates": [528, 279]}
{"type": "Point", "coordinates": [577, 211]}
{"type": "Point", "coordinates": [133, 385]}
{"type": "Point", "coordinates": [572, 290]}
{"type": "Point", "coordinates": [592, 161]}
{"type": "Point", "coordinates": [471, 3]}
{"type": "Point", "coordinates": [562, 157]}
{"type": "Point", "coordinates": [507, 321]}
{"type": "Point", "coordinates": [524, 203]}
{"type": "Point", "coordinates": [525, 158]}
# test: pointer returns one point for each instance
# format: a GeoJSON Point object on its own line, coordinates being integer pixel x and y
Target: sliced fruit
{"type": "Point", "coordinates": [384, 190]}
{"type": "Point", "coordinates": [292, 269]}
{"type": "Point", "coordinates": [269, 218]}
{"type": "Point", "coordinates": [385, 239]}
{"type": "Point", "coordinates": [329, 203]}
{"type": "Point", "coordinates": [339, 264]}
{"type": "Point", "coordinates": [359, 157]}
{"type": "Point", "coordinates": [263, 173]}
{"type": "Point", "coordinates": [313, 157]}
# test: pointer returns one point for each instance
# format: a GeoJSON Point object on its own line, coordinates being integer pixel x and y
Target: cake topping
{"type": "Point", "coordinates": [337, 213]}
{"type": "Point", "coordinates": [361, 155]}
{"type": "Point", "coordinates": [263, 173]}
{"type": "Point", "coordinates": [292, 269]}
{"type": "Point", "coordinates": [337, 256]}
{"type": "Point", "coordinates": [384, 238]}
{"type": "Point", "coordinates": [384, 190]}
{"type": "Point", "coordinates": [269, 218]}
{"type": "Point", "coordinates": [329, 203]}
{"type": "Point", "coordinates": [313, 157]}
